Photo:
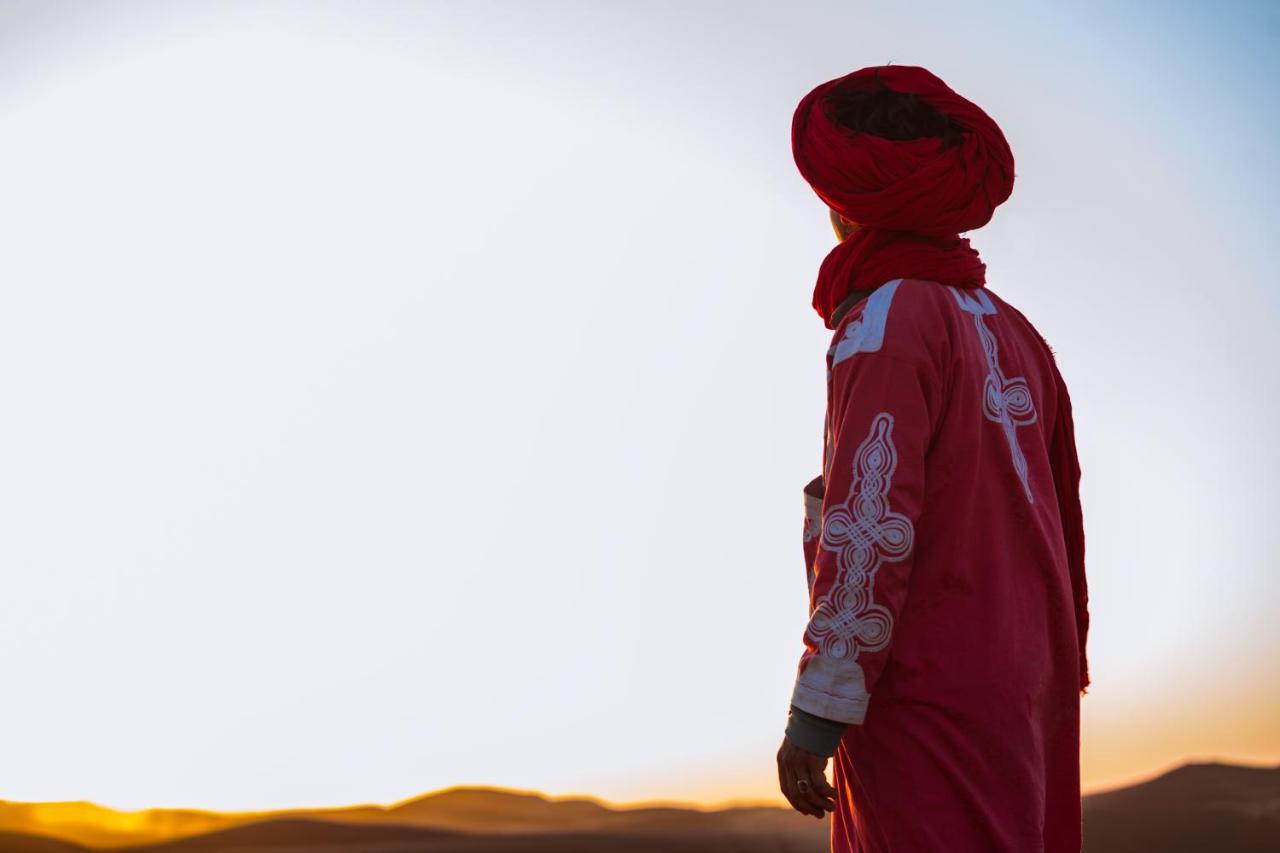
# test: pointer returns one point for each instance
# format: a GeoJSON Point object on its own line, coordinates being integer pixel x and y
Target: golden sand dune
{"type": "Point", "coordinates": [295, 836]}
{"type": "Point", "coordinates": [11, 842]}
{"type": "Point", "coordinates": [1218, 807]}
{"type": "Point", "coordinates": [95, 826]}
{"type": "Point", "coordinates": [514, 820]}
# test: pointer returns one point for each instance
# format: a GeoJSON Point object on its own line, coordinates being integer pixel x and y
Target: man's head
{"type": "Point", "coordinates": [875, 109]}
{"type": "Point", "coordinates": [908, 165]}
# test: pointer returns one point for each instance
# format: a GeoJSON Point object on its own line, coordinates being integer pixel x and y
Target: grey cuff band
{"type": "Point", "coordinates": [817, 735]}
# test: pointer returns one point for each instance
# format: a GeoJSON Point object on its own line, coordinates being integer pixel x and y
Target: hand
{"type": "Point", "coordinates": [795, 766]}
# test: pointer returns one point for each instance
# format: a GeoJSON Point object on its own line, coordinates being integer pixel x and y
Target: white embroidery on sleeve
{"type": "Point", "coordinates": [863, 533]}
{"type": "Point", "coordinates": [1006, 401]}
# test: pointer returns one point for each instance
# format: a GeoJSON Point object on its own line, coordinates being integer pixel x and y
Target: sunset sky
{"type": "Point", "coordinates": [400, 395]}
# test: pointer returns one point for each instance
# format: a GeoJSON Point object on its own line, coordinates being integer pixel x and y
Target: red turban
{"type": "Point", "coordinates": [911, 197]}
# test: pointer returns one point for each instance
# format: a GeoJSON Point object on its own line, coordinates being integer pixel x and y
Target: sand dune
{"type": "Point", "coordinates": [1218, 807]}
{"type": "Point", "coordinates": [1198, 807]}
{"type": "Point", "coordinates": [474, 811]}
{"type": "Point", "coordinates": [294, 834]}
{"type": "Point", "coordinates": [94, 826]}
{"type": "Point", "coordinates": [496, 811]}
{"type": "Point", "coordinates": [300, 836]}
{"type": "Point", "coordinates": [14, 842]}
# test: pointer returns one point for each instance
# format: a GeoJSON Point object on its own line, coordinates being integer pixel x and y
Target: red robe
{"type": "Point", "coordinates": [945, 568]}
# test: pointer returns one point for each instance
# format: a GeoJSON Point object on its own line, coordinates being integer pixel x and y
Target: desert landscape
{"type": "Point", "coordinates": [1197, 807]}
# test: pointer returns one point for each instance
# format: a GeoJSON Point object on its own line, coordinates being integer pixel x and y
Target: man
{"type": "Point", "coordinates": [944, 654]}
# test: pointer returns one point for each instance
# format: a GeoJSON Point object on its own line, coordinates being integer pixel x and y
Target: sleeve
{"type": "Point", "coordinates": [882, 408]}
{"type": "Point", "coordinates": [813, 734]}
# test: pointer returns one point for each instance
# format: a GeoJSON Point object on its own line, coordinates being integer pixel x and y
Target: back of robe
{"type": "Point", "coordinates": [945, 591]}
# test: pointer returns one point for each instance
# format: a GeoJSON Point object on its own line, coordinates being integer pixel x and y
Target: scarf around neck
{"type": "Point", "coordinates": [912, 198]}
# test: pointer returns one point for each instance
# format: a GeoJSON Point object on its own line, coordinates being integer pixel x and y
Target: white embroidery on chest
{"type": "Point", "coordinates": [863, 533]}
{"type": "Point", "coordinates": [1006, 401]}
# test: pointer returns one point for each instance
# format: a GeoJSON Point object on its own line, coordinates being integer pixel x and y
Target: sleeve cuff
{"type": "Point", "coordinates": [833, 689]}
{"type": "Point", "coordinates": [817, 735]}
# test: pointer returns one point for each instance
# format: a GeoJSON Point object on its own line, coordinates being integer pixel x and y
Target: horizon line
{"type": "Point", "coordinates": [630, 805]}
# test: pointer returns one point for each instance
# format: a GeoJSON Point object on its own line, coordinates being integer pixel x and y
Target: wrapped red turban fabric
{"type": "Point", "coordinates": [911, 197]}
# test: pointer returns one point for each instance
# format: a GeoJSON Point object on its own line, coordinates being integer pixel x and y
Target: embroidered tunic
{"type": "Point", "coordinates": [945, 567]}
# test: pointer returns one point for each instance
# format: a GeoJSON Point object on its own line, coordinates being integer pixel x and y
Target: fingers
{"type": "Point", "coordinates": [820, 794]}
{"type": "Point", "coordinates": [794, 767]}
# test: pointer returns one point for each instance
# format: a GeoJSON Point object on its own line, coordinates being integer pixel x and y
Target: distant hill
{"type": "Point", "coordinates": [1223, 808]}
{"type": "Point", "coordinates": [13, 842]}
{"type": "Point", "coordinates": [291, 834]}
{"type": "Point", "coordinates": [497, 811]}
{"type": "Point", "coordinates": [507, 820]}
{"type": "Point", "coordinates": [306, 836]}
{"type": "Point", "coordinates": [95, 826]}
{"type": "Point", "coordinates": [1199, 807]}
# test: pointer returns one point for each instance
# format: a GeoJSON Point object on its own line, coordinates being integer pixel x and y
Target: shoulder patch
{"type": "Point", "coordinates": [866, 334]}
{"type": "Point", "coordinates": [980, 305]}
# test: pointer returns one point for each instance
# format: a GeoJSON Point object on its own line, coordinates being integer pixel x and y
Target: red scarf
{"type": "Point", "coordinates": [911, 197]}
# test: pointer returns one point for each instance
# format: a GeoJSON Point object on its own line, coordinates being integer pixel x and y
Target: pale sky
{"type": "Point", "coordinates": [401, 395]}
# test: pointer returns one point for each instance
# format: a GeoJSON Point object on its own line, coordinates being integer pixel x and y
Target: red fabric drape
{"type": "Point", "coordinates": [1066, 465]}
{"type": "Point", "coordinates": [1066, 471]}
{"type": "Point", "coordinates": [911, 197]}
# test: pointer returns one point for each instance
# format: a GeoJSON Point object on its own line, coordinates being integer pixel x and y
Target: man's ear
{"type": "Point", "coordinates": [843, 227]}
